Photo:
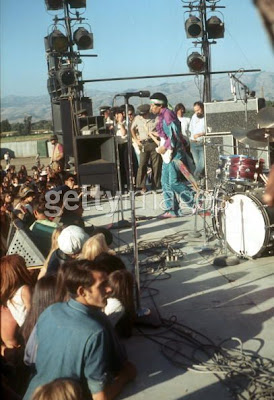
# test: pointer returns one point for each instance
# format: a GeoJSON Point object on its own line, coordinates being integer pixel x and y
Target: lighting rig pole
{"type": "Point", "coordinates": [198, 26]}
{"type": "Point", "coordinates": [65, 85]}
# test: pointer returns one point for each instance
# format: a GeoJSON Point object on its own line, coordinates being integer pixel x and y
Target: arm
{"type": "Point", "coordinates": [127, 374]}
{"type": "Point", "coordinates": [134, 135]}
{"type": "Point", "coordinates": [26, 296]}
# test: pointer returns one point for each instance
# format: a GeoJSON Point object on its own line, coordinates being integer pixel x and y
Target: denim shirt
{"type": "Point", "coordinates": [78, 342]}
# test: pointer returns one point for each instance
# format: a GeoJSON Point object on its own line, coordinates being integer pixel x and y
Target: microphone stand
{"type": "Point", "coordinates": [123, 223]}
{"type": "Point", "coordinates": [141, 312]}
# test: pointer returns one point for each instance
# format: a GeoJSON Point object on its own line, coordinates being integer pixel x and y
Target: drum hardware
{"type": "Point", "coordinates": [225, 260]}
{"type": "Point", "coordinates": [265, 117]}
{"type": "Point", "coordinates": [202, 198]}
{"type": "Point", "coordinates": [265, 135]}
{"type": "Point", "coordinates": [195, 233]}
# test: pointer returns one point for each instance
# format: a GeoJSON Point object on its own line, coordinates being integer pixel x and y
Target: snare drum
{"type": "Point", "coordinates": [248, 224]}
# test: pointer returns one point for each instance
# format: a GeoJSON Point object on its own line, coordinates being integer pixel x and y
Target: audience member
{"type": "Point", "coordinates": [16, 284]}
{"type": "Point", "coordinates": [70, 243]}
{"type": "Point", "coordinates": [59, 389]}
{"type": "Point", "coordinates": [85, 347]}
{"type": "Point", "coordinates": [94, 246]}
{"type": "Point", "coordinates": [120, 306]}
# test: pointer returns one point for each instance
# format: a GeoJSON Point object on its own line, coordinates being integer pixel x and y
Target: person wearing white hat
{"type": "Point", "coordinates": [70, 243]}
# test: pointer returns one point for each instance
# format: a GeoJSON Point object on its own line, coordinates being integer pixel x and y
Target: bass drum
{"type": "Point", "coordinates": [248, 223]}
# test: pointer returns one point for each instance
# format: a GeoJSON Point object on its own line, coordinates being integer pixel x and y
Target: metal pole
{"type": "Point", "coordinates": [133, 216]}
{"type": "Point", "coordinates": [206, 51]}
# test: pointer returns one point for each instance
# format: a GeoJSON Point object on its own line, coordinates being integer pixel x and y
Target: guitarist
{"type": "Point", "coordinates": [169, 130]}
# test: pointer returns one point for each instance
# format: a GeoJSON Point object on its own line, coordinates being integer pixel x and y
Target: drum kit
{"type": "Point", "coordinates": [239, 216]}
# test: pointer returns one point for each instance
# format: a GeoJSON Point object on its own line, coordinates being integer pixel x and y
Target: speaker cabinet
{"type": "Point", "coordinates": [224, 116]}
{"type": "Point", "coordinates": [96, 161]}
{"type": "Point", "coordinates": [62, 116]}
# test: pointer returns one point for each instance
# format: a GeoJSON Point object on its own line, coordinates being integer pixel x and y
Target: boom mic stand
{"type": "Point", "coordinates": [142, 313]}
{"type": "Point", "coordinates": [123, 223]}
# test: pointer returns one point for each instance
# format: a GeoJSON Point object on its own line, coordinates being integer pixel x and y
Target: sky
{"type": "Point", "coordinates": [131, 38]}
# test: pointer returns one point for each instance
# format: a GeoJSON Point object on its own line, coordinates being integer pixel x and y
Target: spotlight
{"type": "Point", "coordinates": [83, 39]}
{"type": "Point", "coordinates": [215, 28]}
{"type": "Point", "coordinates": [56, 41]}
{"type": "Point", "coordinates": [77, 3]}
{"type": "Point", "coordinates": [196, 62]}
{"type": "Point", "coordinates": [53, 86]}
{"type": "Point", "coordinates": [66, 76]}
{"type": "Point", "coordinates": [193, 27]}
{"type": "Point", "coordinates": [54, 4]}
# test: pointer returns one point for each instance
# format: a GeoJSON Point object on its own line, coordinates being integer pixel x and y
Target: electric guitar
{"type": "Point", "coordinates": [167, 156]}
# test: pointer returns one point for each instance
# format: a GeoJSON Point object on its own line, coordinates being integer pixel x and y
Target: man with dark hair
{"type": "Point", "coordinates": [197, 131]}
{"type": "Point", "coordinates": [142, 129]}
{"type": "Point", "coordinates": [172, 143]}
{"type": "Point", "coordinates": [58, 157]}
{"type": "Point", "coordinates": [77, 341]}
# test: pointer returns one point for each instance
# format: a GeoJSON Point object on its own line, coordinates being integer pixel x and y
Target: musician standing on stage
{"type": "Point", "coordinates": [169, 130]}
{"type": "Point", "coordinates": [142, 129]}
{"type": "Point", "coordinates": [197, 131]}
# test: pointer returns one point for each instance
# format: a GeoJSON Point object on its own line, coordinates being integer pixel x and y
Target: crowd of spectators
{"type": "Point", "coordinates": [65, 319]}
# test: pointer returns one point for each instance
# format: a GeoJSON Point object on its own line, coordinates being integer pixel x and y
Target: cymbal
{"type": "Point", "coordinates": [262, 135]}
{"type": "Point", "coordinates": [241, 135]}
{"type": "Point", "coordinates": [265, 117]}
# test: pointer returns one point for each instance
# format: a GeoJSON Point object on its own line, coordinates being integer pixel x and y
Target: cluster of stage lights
{"type": "Point", "coordinates": [58, 44]}
{"type": "Point", "coordinates": [214, 28]}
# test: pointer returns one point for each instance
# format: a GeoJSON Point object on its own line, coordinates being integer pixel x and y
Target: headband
{"type": "Point", "coordinates": [157, 101]}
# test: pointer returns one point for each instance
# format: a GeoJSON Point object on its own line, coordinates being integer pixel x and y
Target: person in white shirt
{"type": "Point", "coordinates": [197, 131]}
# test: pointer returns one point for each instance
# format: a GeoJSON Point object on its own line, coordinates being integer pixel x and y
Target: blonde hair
{"type": "Point", "coordinates": [94, 246]}
{"type": "Point", "coordinates": [54, 244]}
{"type": "Point", "coordinates": [59, 389]}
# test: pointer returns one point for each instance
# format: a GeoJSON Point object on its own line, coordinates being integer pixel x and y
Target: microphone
{"type": "Point", "coordinates": [140, 93]}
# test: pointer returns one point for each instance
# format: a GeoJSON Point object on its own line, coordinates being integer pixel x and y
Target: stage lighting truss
{"type": "Point", "coordinates": [196, 62]}
{"type": "Point", "coordinates": [67, 76]}
{"type": "Point", "coordinates": [54, 4]}
{"type": "Point", "coordinates": [215, 28]}
{"type": "Point", "coordinates": [193, 27]}
{"type": "Point", "coordinates": [77, 3]}
{"type": "Point", "coordinates": [56, 41]}
{"type": "Point", "coordinates": [83, 39]}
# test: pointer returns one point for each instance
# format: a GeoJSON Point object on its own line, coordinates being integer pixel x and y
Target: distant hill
{"type": "Point", "coordinates": [15, 108]}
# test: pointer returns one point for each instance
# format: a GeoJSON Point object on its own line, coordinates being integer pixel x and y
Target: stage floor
{"type": "Point", "coordinates": [218, 302]}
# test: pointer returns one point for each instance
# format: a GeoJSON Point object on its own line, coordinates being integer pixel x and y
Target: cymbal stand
{"type": "Point", "coordinates": [206, 246]}
{"type": "Point", "coordinates": [195, 233]}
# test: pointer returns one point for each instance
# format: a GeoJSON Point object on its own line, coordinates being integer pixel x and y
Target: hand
{"type": "Point", "coordinates": [138, 142]}
{"type": "Point", "coordinates": [161, 150]}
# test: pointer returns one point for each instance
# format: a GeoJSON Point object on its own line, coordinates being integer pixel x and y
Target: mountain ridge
{"type": "Point", "coordinates": [15, 108]}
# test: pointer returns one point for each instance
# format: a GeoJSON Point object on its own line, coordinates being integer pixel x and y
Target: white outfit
{"type": "Point", "coordinates": [197, 125]}
{"type": "Point", "coordinates": [118, 132]}
{"type": "Point", "coordinates": [17, 307]}
{"type": "Point", "coordinates": [185, 121]}
{"type": "Point", "coordinates": [114, 310]}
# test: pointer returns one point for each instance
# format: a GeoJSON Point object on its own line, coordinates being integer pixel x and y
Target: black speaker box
{"type": "Point", "coordinates": [96, 161]}
{"type": "Point", "coordinates": [62, 116]}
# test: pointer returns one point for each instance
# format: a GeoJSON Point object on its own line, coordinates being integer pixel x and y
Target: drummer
{"type": "Point", "coordinates": [269, 191]}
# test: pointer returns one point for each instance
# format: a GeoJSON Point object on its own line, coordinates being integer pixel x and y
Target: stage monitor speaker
{"type": "Point", "coordinates": [22, 244]}
{"type": "Point", "coordinates": [96, 161]}
{"type": "Point", "coordinates": [224, 116]}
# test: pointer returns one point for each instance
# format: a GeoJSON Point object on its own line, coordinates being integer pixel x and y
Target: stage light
{"type": "Point", "coordinates": [54, 4]}
{"type": "Point", "coordinates": [193, 27]}
{"type": "Point", "coordinates": [196, 62]}
{"type": "Point", "coordinates": [215, 28]}
{"type": "Point", "coordinates": [77, 3]}
{"type": "Point", "coordinates": [56, 41]}
{"type": "Point", "coordinates": [66, 76]}
{"type": "Point", "coordinates": [83, 39]}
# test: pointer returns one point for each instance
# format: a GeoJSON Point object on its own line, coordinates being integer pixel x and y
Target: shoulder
{"type": "Point", "coordinates": [113, 305]}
